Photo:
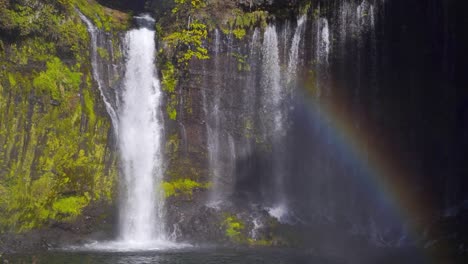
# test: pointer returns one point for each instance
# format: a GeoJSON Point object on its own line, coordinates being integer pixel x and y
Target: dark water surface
{"type": "Point", "coordinates": [198, 256]}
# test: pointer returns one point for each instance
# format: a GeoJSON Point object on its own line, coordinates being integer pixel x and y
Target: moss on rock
{"type": "Point", "coordinates": [54, 153]}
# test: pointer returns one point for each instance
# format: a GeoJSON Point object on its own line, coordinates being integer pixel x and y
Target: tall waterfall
{"type": "Point", "coordinates": [274, 116]}
{"type": "Point", "coordinates": [272, 83]}
{"type": "Point", "coordinates": [213, 130]}
{"type": "Point", "coordinates": [133, 107]}
{"type": "Point", "coordinates": [140, 142]}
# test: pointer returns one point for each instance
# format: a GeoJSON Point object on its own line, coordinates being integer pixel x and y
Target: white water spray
{"type": "Point", "coordinates": [272, 82]}
{"type": "Point", "coordinates": [294, 52]}
{"type": "Point", "coordinates": [323, 41]}
{"type": "Point", "coordinates": [140, 143]}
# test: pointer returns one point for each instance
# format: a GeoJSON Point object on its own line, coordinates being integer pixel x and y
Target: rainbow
{"type": "Point", "coordinates": [378, 158]}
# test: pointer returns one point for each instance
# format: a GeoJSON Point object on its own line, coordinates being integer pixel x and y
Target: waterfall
{"type": "Point", "coordinates": [213, 130]}
{"type": "Point", "coordinates": [294, 52]}
{"type": "Point", "coordinates": [272, 83]}
{"type": "Point", "coordinates": [140, 138]}
{"type": "Point", "coordinates": [138, 125]}
{"type": "Point", "coordinates": [274, 117]}
{"type": "Point", "coordinates": [93, 32]}
{"type": "Point", "coordinates": [323, 41]}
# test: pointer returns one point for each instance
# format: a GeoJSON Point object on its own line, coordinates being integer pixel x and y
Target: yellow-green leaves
{"type": "Point", "coordinates": [195, 4]}
{"type": "Point", "coordinates": [182, 187]}
{"type": "Point", "coordinates": [234, 228]}
{"type": "Point", "coordinates": [70, 206]}
{"type": "Point", "coordinates": [190, 41]}
{"type": "Point", "coordinates": [57, 79]}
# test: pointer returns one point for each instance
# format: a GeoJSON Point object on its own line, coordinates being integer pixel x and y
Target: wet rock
{"type": "Point", "coordinates": [54, 102]}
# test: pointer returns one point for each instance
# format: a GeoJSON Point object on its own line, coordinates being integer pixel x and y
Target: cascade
{"type": "Point", "coordinates": [274, 116]}
{"type": "Point", "coordinates": [271, 83]}
{"type": "Point", "coordinates": [213, 129]}
{"type": "Point", "coordinates": [135, 113]}
{"type": "Point", "coordinates": [141, 132]}
{"type": "Point", "coordinates": [220, 143]}
{"type": "Point", "coordinates": [97, 70]}
{"type": "Point", "coordinates": [294, 52]}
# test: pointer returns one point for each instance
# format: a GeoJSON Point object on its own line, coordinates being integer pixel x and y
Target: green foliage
{"type": "Point", "coordinates": [185, 4]}
{"type": "Point", "coordinates": [54, 159]}
{"type": "Point", "coordinates": [102, 52]}
{"type": "Point", "coordinates": [239, 33]}
{"type": "Point", "coordinates": [72, 36]}
{"type": "Point", "coordinates": [105, 19]}
{"type": "Point", "coordinates": [57, 79]}
{"type": "Point", "coordinates": [28, 17]}
{"type": "Point", "coordinates": [246, 20]}
{"type": "Point", "coordinates": [242, 64]}
{"type": "Point", "coordinates": [31, 50]}
{"type": "Point", "coordinates": [305, 7]}
{"type": "Point", "coordinates": [172, 144]}
{"type": "Point", "coordinates": [89, 106]}
{"type": "Point", "coordinates": [182, 187]}
{"type": "Point", "coordinates": [70, 206]}
{"type": "Point", "coordinates": [241, 21]}
{"type": "Point", "coordinates": [189, 41]}
{"type": "Point", "coordinates": [316, 13]}
{"type": "Point", "coordinates": [169, 83]}
{"type": "Point", "coordinates": [234, 228]}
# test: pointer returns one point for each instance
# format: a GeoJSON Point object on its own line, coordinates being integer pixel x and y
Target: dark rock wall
{"type": "Point", "coordinates": [399, 86]}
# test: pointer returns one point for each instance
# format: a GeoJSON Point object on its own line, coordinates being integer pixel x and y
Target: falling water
{"type": "Point", "coordinates": [323, 41]}
{"type": "Point", "coordinates": [140, 142]}
{"type": "Point", "coordinates": [294, 52]}
{"type": "Point", "coordinates": [274, 116]}
{"type": "Point", "coordinates": [213, 129]}
{"type": "Point", "coordinates": [272, 82]}
{"type": "Point", "coordinates": [93, 31]}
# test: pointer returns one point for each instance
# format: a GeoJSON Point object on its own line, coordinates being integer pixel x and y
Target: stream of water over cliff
{"type": "Point", "coordinates": [139, 139]}
{"type": "Point", "coordinates": [135, 112]}
{"type": "Point", "coordinates": [272, 128]}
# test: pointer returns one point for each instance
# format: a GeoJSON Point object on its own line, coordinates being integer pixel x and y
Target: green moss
{"type": "Point", "coordinates": [171, 112]}
{"type": "Point", "coordinates": [182, 187]}
{"type": "Point", "coordinates": [305, 7]}
{"type": "Point", "coordinates": [242, 64]}
{"type": "Point", "coordinates": [52, 162]}
{"type": "Point", "coordinates": [70, 206]}
{"type": "Point", "coordinates": [187, 4]}
{"type": "Point", "coordinates": [316, 13]}
{"type": "Point", "coordinates": [103, 53]}
{"type": "Point", "coordinates": [169, 84]}
{"type": "Point", "coordinates": [241, 19]}
{"type": "Point", "coordinates": [57, 79]}
{"type": "Point", "coordinates": [89, 106]}
{"type": "Point", "coordinates": [239, 33]}
{"type": "Point", "coordinates": [239, 22]}
{"type": "Point", "coordinates": [11, 80]}
{"type": "Point", "coordinates": [169, 78]}
{"type": "Point", "coordinates": [234, 228]}
{"type": "Point", "coordinates": [260, 242]}
{"type": "Point", "coordinates": [103, 18]}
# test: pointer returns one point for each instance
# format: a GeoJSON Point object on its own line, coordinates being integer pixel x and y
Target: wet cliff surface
{"type": "Point", "coordinates": [318, 124]}
{"type": "Point", "coordinates": [362, 138]}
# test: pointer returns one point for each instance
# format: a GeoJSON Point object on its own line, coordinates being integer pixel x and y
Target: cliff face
{"type": "Point", "coordinates": [56, 155]}
{"type": "Point", "coordinates": [371, 114]}
{"type": "Point", "coordinates": [286, 122]}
